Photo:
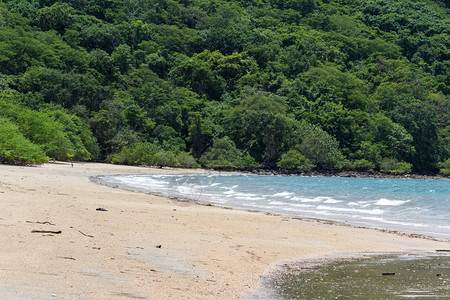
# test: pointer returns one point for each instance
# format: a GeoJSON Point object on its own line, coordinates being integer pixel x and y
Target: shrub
{"type": "Point", "coordinates": [166, 159]}
{"type": "Point", "coordinates": [47, 133]}
{"type": "Point", "coordinates": [390, 165]}
{"type": "Point", "coordinates": [78, 133]}
{"type": "Point", "coordinates": [445, 167]}
{"type": "Point", "coordinates": [219, 162]}
{"type": "Point", "coordinates": [59, 134]}
{"type": "Point", "coordinates": [186, 160]}
{"type": "Point", "coordinates": [294, 160]}
{"type": "Point", "coordinates": [319, 147]}
{"type": "Point", "coordinates": [247, 161]}
{"type": "Point", "coordinates": [139, 154]}
{"type": "Point", "coordinates": [224, 153]}
{"type": "Point", "coordinates": [371, 152]}
{"type": "Point", "coordinates": [151, 154]}
{"type": "Point", "coordinates": [15, 148]}
{"type": "Point", "coordinates": [362, 164]}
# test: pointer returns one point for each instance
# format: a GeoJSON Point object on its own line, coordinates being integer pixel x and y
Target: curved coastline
{"type": "Point", "coordinates": [147, 246]}
{"type": "Point", "coordinates": [101, 180]}
{"type": "Point", "coordinates": [338, 173]}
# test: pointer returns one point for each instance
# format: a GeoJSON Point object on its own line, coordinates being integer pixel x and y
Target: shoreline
{"type": "Point", "coordinates": [277, 171]}
{"type": "Point", "coordinates": [335, 173]}
{"type": "Point", "coordinates": [147, 246]}
{"type": "Point", "coordinates": [313, 173]}
{"type": "Point", "coordinates": [100, 181]}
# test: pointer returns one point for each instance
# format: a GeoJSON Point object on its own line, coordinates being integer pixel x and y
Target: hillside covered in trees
{"type": "Point", "coordinates": [296, 84]}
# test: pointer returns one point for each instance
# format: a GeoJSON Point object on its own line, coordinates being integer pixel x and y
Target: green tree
{"type": "Point", "coordinates": [224, 153]}
{"type": "Point", "coordinates": [445, 167]}
{"type": "Point", "coordinates": [318, 146]}
{"type": "Point", "coordinates": [259, 125]}
{"type": "Point", "coordinates": [15, 148]}
{"type": "Point", "coordinates": [122, 58]}
{"type": "Point", "coordinates": [200, 133]}
{"type": "Point", "coordinates": [78, 132]}
{"type": "Point", "coordinates": [102, 36]}
{"type": "Point", "coordinates": [57, 17]}
{"type": "Point", "coordinates": [228, 29]}
{"type": "Point", "coordinates": [37, 127]}
{"type": "Point", "coordinates": [390, 165]}
{"type": "Point", "coordinates": [197, 75]}
{"type": "Point", "coordinates": [294, 160]}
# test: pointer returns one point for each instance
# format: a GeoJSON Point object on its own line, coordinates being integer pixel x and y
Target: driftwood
{"type": "Point", "coordinates": [88, 235]}
{"type": "Point", "coordinates": [46, 231]}
{"type": "Point", "coordinates": [41, 223]}
{"type": "Point", "coordinates": [68, 257]}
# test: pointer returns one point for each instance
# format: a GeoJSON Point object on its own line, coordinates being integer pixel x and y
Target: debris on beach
{"type": "Point", "coordinates": [101, 209]}
{"type": "Point", "coordinates": [88, 235]}
{"type": "Point", "coordinates": [68, 257]}
{"type": "Point", "coordinates": [46, 231]}
{"type": "Point", "coordinates": [43, 223]}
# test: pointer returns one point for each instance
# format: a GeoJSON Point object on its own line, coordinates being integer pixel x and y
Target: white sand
{"type": "Point", "coordinates": [206, 252]}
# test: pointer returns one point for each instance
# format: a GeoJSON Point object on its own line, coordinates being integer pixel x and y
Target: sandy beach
{"type": "Point", "coordinates": [146, 246]}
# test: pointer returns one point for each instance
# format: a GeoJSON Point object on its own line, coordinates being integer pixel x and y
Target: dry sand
{"type": "Point", "coordinates": [205, 252]}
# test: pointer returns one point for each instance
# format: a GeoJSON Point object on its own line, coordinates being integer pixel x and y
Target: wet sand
{"type": "Point", "coordinates": [150, 247]}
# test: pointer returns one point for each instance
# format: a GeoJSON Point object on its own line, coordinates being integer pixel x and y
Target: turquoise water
{"type": "Point", "coordinates": [407, 205]}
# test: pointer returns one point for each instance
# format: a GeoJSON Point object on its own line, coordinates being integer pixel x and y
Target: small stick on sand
{"type": "Point", "coordinates": [67, 257]}
{"type": "Point", "coordinates": [88, 235]}
{"type": "Point", "coordinates": [41, 223]}
{"type": "Point", "coordinates": [46, 231]}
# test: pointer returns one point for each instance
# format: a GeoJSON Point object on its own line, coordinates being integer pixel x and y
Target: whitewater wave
{"type": "Point", "coordinates": [387, 202]}
{"type": "Point", "coordinates": [378, 203]}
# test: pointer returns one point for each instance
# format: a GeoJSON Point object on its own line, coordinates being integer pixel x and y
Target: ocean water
{"type": "Point", "coordinates": [407, 205]}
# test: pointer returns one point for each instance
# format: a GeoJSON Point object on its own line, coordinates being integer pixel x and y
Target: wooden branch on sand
{"type": "Point", "coordinates": [41, 223]}
{"type": "Point", "coordinates": [88, 235]}
{"type": "Point", "coordinates": [46, 231]}
{"type": "Point", "coordinates": [67, 257]}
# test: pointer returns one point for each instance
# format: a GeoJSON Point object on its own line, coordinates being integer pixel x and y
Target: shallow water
{"type": "Point", "coordinates": [406, 205]}
{"type": "Point", "coordinates": [385, 277]}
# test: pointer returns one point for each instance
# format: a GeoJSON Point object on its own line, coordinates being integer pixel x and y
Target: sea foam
{"type": "Point", "coordinates": [383, 203]}
{"type": "Point", "coordinates": [387, 202]}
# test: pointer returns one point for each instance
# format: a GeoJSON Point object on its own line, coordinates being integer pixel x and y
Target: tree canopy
{"type": "Point", "coordinates": [291, 84]}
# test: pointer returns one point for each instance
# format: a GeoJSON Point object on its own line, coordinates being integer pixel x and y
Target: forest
{"type": "Point", "coordinates": [277, 84]}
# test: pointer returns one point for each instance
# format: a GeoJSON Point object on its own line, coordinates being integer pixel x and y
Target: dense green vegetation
{"type": "Point", "coordinates": [354, 84]}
